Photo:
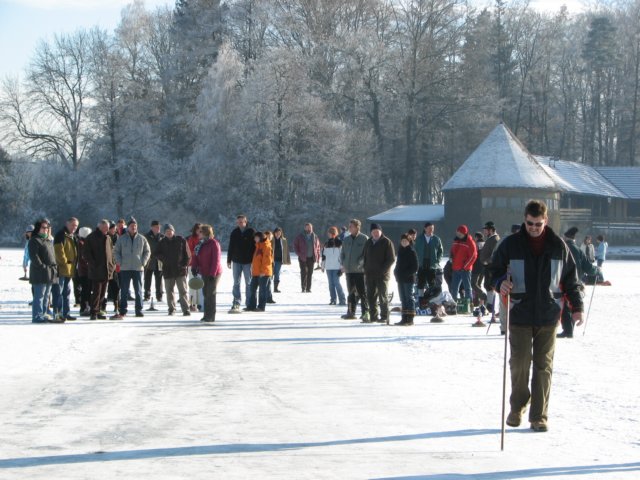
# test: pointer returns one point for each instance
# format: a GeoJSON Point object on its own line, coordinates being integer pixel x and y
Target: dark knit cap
{"type": "Point", "coordinates": [571, 233]}
{"type": "Point", "coordinates": [132, 220]}
{"type": "Point", "coordinates": [154, 223]}
{"type": "Point", "coordinates": [375, 226]}
{"type": "Point", "coordinates": [168, 226]}
{"type": "Point", "coordinates": [490, 226]}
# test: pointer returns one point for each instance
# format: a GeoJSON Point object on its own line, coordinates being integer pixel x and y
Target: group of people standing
{"type": "Point", "coordinates": [105, 263]}
{"type": "Point", "coordinates": [536, 272]}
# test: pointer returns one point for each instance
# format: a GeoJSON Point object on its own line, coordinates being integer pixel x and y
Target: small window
{"type": "Point", "coordinates": [515, 203]}
{"type": "Point", "coordinates": [501, 202]}
{"type": "Point", "coordinates": [487, 202]}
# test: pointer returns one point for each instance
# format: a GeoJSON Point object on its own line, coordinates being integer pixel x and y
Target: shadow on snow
{"type": "Point", "coordinates": [224, 449]}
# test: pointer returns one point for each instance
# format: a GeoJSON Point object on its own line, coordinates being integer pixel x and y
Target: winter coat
{"type": "Point", "coordinates": [478, 267]}
{"type": "Point", "coordinates": [192, 241]}
{"type": "Point", "coordinates": [539, 282]}
{"type": "Point", "coordinates": [583, 265]}
{"type": "Point", "coordinates": [300, 247]}
{"type": "Point", "coordinates": [432, 251]}
{"type": "Point", "coordinates": [589, 251]}
{"type": "Point", "coordinates": [132, 253]}
{"type": "Point", "coordinates": [281, 246]}
{"type": "Point", "coordinates": [25, 255]}
{"type": "Point", "coordinates": [463, 253]}
{"type": "Point", "coordinates": [241, 246]}
{"type": "Point", "coordinates": [43, 267]}
{"type": "Point", "coordinates": [154, 263]}
{"type": "Point", "coordinates": [83, 266]}
{"type": "Point", "coordinates": [406, 265]}
{"type": "Point", "coordinates": [490, 244]}
{"type": "Point", "coordinates": [352, 253]}
{"type": "Point", "coordinates": [331, 254]}
{"type": "Point", "coordinates": [262, 263]}
{"type": "Point", "coordinates": [175, 256]}
{"type": "Point", "coordinates": [378, 257]}
{"type": "Point", "coordinates": [66, 249]}
{"type": "Point", "coordinates": [98, 252]}
{"type": "Point", "coordinates": [207, 261]}
{"type": "Point", "coordinates": [601, 251]}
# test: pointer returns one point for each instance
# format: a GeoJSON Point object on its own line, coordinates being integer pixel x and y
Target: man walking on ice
{"type": "Point", "coordinates": [534, 267]}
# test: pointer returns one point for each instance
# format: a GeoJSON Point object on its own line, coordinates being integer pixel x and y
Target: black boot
{"type": "Point", "coordinates": [275, 287]}
{"type": "Point", "coordinates": [403, 321]}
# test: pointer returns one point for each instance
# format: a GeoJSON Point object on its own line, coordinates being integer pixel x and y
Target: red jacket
{"type": "Point", "coordinates": [463, 253]}
{"type": "Point", "coordinates": [208, 261]}
{"type": "Point", "coordinates": [192, 241]}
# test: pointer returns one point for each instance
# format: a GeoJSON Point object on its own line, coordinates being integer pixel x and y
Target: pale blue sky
{"type": "Point", "coordinates": [24, 22]}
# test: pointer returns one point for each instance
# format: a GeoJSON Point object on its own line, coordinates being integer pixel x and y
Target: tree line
{"type": "Point", "coordinates": [296, 110]}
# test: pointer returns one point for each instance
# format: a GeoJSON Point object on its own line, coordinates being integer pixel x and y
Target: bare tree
{"type": "Point", "coordinates": [47, 112]}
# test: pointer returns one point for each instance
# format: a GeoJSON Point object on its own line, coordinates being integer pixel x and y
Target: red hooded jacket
{"type": "Point", "coordinates": [463, 251]}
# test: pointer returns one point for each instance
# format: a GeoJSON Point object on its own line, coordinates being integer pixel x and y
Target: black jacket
{"type": "Point", "coordinates": [406, 265]}
{"type": "Point", "coordinates": [175, 256]}
{"type": "Point", "coordinates": [43, 267]}
{"type": "Point", "coordinates": [153, 239]}
{"type": "Point", "coordinates": [582, 262]}
{"type": "Point", "coordinates": [241, 246]}
{"type": "Point", "coordinates": [98, 252]}
{"type": "Point", "coordinates": [538, 282]}
{"type": "Point", "coordinates": [378, 257]}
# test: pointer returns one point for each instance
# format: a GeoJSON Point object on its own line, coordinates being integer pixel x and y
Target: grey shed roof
{"type": "Point", "coordinates": [626, 179]}
{"type": "Point", "coordinates": [500, 161]}
{"type": "Point", "coordinates": [411, 213]}
{"type": "Point", "coordinates": [576, 177]}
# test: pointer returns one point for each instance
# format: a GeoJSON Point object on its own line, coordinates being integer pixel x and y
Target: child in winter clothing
{"type": "Point", "coordinates": [261, 271]}
{"type": "Point", "coordinates": [405, 273]}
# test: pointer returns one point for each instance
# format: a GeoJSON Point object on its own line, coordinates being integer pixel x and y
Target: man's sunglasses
{"type": "Point", "coordinates": [537, 224]}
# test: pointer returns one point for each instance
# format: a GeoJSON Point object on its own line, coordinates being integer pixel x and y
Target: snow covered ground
{"type": "Point", "coordinates": [298, 393]}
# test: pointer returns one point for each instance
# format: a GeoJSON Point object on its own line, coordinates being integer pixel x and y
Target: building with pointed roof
{"type": "Point", "coordinates": [501, 176]}
{"type": "Point", "coordinates": [495, 183]}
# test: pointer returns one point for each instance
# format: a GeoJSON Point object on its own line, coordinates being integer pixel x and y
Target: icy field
{"type": "Point", "coordinates": [298, 393]}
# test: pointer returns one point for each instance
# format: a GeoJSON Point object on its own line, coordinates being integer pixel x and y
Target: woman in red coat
{"type": "Point", "coordinates": [207, 262]}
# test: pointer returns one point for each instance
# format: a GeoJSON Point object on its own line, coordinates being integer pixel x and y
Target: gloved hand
{"type": "Point", "coordinates": [194, 272]}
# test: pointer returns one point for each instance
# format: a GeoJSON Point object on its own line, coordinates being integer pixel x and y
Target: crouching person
{"type": "Point", "coordinates": [405, 273]}
{"type": "Point", "coordinates": [207, 262]}
{"type": "Point", "coordinates": [175, 256]}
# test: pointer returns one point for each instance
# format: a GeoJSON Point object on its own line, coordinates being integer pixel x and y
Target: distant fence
{"type": "Point", "coordinates": [575, 216]}
{"type": "Point", "coordinates": [618, 233]}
